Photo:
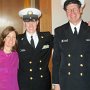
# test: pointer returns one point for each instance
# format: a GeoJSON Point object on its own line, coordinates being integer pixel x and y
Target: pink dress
{"type": "Point", "coordinates": [8, 71]}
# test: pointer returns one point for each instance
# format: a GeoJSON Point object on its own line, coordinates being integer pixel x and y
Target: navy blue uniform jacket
{"type": "Point", "coordinates": [71, 58]}
{"type": "Point", "coordinates": [34, 73]}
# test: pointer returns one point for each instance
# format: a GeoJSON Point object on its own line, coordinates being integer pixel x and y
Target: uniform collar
{"type": "Point", "coordinates": [77, 26]}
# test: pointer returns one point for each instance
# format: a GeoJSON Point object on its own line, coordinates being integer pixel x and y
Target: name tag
{"type": "Point", "coordinates": [22, 50]}
{"type": "Point", "coordinates": [64, 40]}
{"type": "Point", "coordinates": [45, 47]}
{"type": "Point", "coordinates": [87, 40]}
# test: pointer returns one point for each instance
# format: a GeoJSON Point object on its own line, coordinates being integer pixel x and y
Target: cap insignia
{"type": "Point", "coordinates": [30, 13]}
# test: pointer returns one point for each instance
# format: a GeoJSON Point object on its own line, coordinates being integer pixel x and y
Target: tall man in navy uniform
{"type": "Point", "coordinates": [71, 56]}
{"type": "Point", "coordinates": [34, 53]}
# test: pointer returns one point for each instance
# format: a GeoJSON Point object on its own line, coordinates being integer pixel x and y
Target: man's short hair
{"type": "Point", "coordinates": [67, 2]}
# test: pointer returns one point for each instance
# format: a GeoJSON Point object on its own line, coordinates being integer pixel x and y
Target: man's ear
{"type": "Point", "coordinates": [37, 22]}
{"type": "Point", "coordinates": [81, 9]}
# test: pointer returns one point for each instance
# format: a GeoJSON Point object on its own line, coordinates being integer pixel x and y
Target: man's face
{"type": "Point", "coordinates": [73, 13]}
{"type": "Point", "coordinates": [31, 26]}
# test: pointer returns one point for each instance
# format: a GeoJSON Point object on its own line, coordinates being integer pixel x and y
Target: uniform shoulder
{"type": "Point", "coordinates": [85, 25]}
{"type": "Point", "coordinates": [61, 28]}
{"type": "Point", "coordinates": [20, 36]}
{"type": "Point", "coordinates": [46, 34]}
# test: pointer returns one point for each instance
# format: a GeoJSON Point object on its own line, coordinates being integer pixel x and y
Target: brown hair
{"type": "Point", "coordinates": [67, 2]}
{"type": "Point", "coordinates": [4, 33]}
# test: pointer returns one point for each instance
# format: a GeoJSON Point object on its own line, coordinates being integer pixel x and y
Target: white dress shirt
{"type": "Point", "coordinates": [77, 26]}
{"type": "Point", "coordinates": [35, 38]}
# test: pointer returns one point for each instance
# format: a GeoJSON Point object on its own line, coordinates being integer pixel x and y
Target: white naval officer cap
{"type": "Point", "coordinates": [30, 14]}
{"type": "Point", "coordinates": [81, 1]}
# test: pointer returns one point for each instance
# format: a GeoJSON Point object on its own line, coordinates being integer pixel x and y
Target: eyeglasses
{"type": "Point", "coordinates": [72, 10]}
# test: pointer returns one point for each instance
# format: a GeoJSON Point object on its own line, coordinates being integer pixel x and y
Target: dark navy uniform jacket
{"type": "Point", "coordinates": [34, 73]}
{"type": "Point", "coordinates": [71, 58]}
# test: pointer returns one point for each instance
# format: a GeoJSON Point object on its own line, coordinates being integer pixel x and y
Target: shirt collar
{"type": "Point", "coordinates": [35, 38]}
{"type": "Point", "coordinates": [29, 35]}
{"type": "Point", "coordinates": [77, 26]}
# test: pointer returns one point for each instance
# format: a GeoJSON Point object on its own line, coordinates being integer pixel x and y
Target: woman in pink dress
{"type": "Point", "coordinates": [9, 60]}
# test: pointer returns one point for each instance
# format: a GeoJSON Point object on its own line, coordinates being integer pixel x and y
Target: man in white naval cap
{"type": "Point", "coordinates": [34, 53]}
{"type": "Point", "coordinates": [71, 56]}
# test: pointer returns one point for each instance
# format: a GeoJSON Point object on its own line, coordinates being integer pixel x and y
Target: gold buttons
{"type": "Point", "coordinates": [81, 65]}
{"type": "Point", "coordinates": [62, 41]}
{"type": "Point", "coordinates": [42, 37]}
{"type": "Point", "coordinates": [30, 62]}
{"type": "Point", "coordinates": [40, 68]}
{"type": "Point", "coordinates": [69, 64]}
{"type": "Point", "coordinates": [40, 61]}
{"type": "Point", "coordinates": [81, 74]}
{"type": "Point", "coordinates": [69, 73]}
{"type": "Point", "coordinates": [69, 55]}
{"type": "Point", "coordinates": [31, 78]}
{"type": "Point", "coordinates": [81, 55]}
{"type": "Point", "coordinates": [30, 70]}
{"type": "Point", "coordinates": [41, 76]}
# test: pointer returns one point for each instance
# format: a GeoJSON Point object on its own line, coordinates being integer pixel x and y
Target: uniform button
{"type": "Point", "coordinates": [81, 55]}
{"type": "Point", "coordinates": [31, 78]}
{"type": "Point", "coordinates": [62, 41]}
{"type": "Point", "coordinates": [81, 74]}
{"type": "Point", "coordinates": [41, 76]}
{"type": "Point", "coordinates": [42, 37]}
{"type": "Point", "coordinates": [69, 64]}
{"type": "Point", "coordinates": [69, 55]}
{"type": "Point", "coordinates": [30, 70]}
{"type": "Point", "coordinates": [69, 73]}
{"type": "Point", "coordinates": [81, 65]}
{"type": "Point", "coordinates": [30, 62]}
{"type": "Point", "coordinates": [40, 68]}
{"type": "Point", "coordinates": [40, 61]}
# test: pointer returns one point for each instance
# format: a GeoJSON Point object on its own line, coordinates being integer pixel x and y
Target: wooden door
{"type": "Point", "coordinates": [9, 14]}
{"type": "Point", "coordinates": [46, 19]}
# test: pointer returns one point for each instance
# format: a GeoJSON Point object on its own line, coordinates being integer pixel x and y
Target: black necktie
{"type": "Point", "coordinates": [75, 31]}
{"type": "Point", "coordinates": [32, 42]}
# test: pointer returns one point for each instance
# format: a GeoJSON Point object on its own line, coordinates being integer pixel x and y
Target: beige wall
{"type": "Point", "coordinates": [59, 16]}
{"type": "Point", "coordinates": [86, 12]}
